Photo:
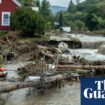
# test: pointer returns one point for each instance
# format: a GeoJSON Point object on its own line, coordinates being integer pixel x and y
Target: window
{"type": "Point", "coordinates": [5, 18]}
{"type": "Point", "coordinates": [0, 1]}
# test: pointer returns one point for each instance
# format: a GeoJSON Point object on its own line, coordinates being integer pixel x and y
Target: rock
{"type": "Point", "coordinates": [101, 49]}
{"type": "Point", "coordinates": [63, 47]}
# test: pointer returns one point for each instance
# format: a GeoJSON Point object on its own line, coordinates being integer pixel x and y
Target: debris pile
{"type": "Point", "coordinates": [31, 70]}
{"type": "Point", "coordinates": [34, 52]}
{"type": "Point", "coordinates": [10, 37]}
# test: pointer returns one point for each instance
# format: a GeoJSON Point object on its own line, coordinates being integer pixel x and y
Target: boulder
{"type": "Point", "coordinates": [101, 49]}
{"type": "Point", "coordinates": [63, 47]}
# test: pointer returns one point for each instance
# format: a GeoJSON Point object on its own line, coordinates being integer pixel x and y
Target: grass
{"type": "Point", "coordinates": [2, 33]}
{"type": "Point", "coordinates": [36, 38]}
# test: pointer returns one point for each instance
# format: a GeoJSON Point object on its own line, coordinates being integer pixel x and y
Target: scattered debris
{"type": "Point", "coordinates": [49, 68]}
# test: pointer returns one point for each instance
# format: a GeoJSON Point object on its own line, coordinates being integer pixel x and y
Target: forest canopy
{"type": "Point", "coordinates": [86, 15]}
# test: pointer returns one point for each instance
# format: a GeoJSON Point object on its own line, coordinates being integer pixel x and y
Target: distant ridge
{"type": "Point", "coordinates": [56, 9]}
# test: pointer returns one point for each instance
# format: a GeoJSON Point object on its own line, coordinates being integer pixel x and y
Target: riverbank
{"type": "Point", "coordinates": [51, 97]}
{"type": "Point", "coordinates": [90, 33]}
{"type": "Point", "coordinates": [47, 58]}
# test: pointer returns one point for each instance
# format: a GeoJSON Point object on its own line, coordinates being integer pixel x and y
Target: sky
{"type": "Point", "coordinates": [63, 3]}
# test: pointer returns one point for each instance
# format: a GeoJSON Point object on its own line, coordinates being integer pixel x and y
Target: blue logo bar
{"type": "Point", "coordinates": [93, 91]}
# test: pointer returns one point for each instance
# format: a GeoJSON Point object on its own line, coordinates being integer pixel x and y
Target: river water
{"type": "Point", "coordinates": [91, 50]}
{"type": "Point", "coordinates": [88, 54]}
{"type": "Point", "coordinates": [68, 95]}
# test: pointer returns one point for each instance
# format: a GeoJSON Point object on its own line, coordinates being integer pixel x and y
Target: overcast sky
{"type": "Point", "coordinates": [63, 3]}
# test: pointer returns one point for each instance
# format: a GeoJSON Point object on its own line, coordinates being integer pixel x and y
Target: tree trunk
{"type": "Point", "coordinates": [20, 85]}
{"type": "Point", "coordinates": [85, 67]}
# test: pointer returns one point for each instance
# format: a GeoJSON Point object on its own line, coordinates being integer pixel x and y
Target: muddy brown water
{"type": "Point", "coordinates": [69, 95]}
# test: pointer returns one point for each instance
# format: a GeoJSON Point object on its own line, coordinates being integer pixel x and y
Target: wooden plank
{"type": "Point", "coordinates": [75, 67]}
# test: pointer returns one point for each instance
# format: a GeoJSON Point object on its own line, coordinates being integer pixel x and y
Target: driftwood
{"type": "Point", "coordinates": [86, 67]}
{"type": "Point", "coordinates": [66, 63]}
{"type": "Point", "coordinates": [3, 42]}
{"type": "Point", "coordinates": [20, 85]}
{"type": "Point", "coordinates": [32, 52]}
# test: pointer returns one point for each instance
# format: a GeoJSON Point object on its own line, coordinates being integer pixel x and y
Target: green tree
{"type": "Point", "coordinates": [80, 25]}
{"type": "Point", "coordinates": [46, 13]}
{"type": "Point", "coordinates": [89, 14]}
{"type": "Point", "coordinates": [60, 19]}
{"type": "Point", "coordinates": [30, 2]}
{"type": "Point", "coordinates": [37, 2]}
{"type": "Point", "coordinates": [92, 1]}
{"type": "Point", "coordinates": [27, 22]}
{"type": "Point", "coordinates": [45, 9]}
{"type": "Point", "coordinates": [92, 21]}
{"type": "Point", "coordinates": [71, 7]}
{"type": "Point", "coordinates": [101, 9]}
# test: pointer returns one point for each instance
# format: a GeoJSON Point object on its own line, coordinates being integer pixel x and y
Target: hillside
{"type": "Point", "coordinates": [56, 9]}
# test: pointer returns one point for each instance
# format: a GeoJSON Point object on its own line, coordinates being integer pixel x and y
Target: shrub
{"type": "Point", "coordinates": [27, 21]}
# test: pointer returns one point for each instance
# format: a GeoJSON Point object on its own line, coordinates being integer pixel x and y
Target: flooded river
{"type": "Point", "coordinates": [93, 47]}
{"type": "Point", "coordinates": [88, 54]}
{"type": "Point", "coordinates": [68, 95]}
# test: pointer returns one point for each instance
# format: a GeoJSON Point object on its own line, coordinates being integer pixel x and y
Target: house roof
{"type": "Point", "coordinates": [17, 3]}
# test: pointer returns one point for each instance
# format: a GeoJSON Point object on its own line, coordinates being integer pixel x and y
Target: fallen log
{"type": "Point", "coordinates": [21, 85]}
{"type": "Point", "coordinates": [15, 86]}
{"type": "Point", "coordinates": [86, 67]}
{"type": "Point", "coordinates": [66, 63]}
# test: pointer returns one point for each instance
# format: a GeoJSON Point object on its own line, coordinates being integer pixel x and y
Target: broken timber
{"type": "Point", "coordinates": [20, 85]}
{"type": "Point", "coordinates": [85, 67]}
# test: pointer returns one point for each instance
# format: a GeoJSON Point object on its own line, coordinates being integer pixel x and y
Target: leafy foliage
{"type": "Point", "coordinates": [71, 7]}
{"type": "Point", "coordinates": [47, 14]}
{"type": "Point", "coordinates": [28, 2]}
{"type": "Point", "coordinates": [86, 15]}
{"type": "Point", "coordinates": [27, 22]}
{"type": "Point", "coordinates": [92, 21]}
{"type": "Point", "coordinates": [60, 19]}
